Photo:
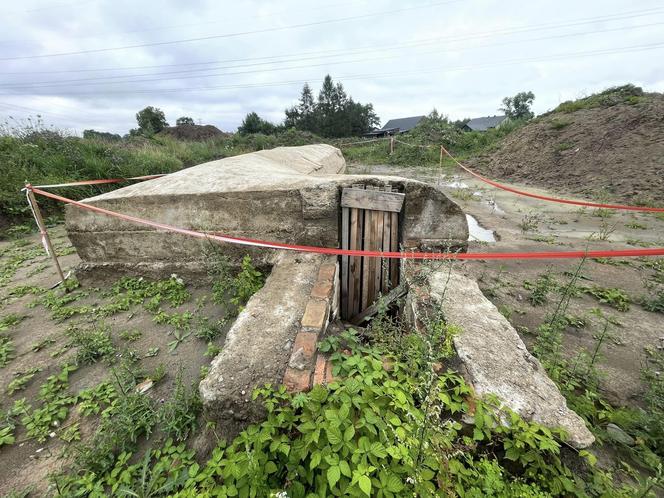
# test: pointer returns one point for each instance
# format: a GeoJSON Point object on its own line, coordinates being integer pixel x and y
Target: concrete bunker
{"type": "Point", "coordinates": [296, 195]}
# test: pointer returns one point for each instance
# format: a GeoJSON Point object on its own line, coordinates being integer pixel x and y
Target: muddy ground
{"type": "Point", "coordinates": [522, 224]}
{"type": "Point", "coordinates": [41, 341]}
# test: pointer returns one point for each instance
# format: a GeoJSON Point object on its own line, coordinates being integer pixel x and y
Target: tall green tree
{"type": "Point", "coordinates": [253, 123]}
{"type": "Point", "coordinates": [333, 114]}
{"type": "Point", "coordinates": [184, 120]}
{"type": "Point", "coordinates": [519, 106]}
{"type": "Point", "coordinates": [151, 120]}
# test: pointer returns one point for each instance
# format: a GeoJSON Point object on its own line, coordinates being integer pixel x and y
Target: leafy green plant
{"type": "Point", "coordinates": [9, 321]}
{"type": "Point", "coordinates": [654, 304]}
{"type": "Point", "coordinates": [22, 379]}
{"type": "Point", "coordinates": [130, 335]}
{"type": "Point", "coordinates": [544, 284]}
{"type": "Point", "coordinates": [246, 283]}
{"type": "Point", "coordinates": [93, 343]}
{"type": "Point", "coordinates": [616, 298]}
{"type": "Point", "coordinates": [6, 350]}
{"type": "Point", "coordinates": [55, 402]}
{"type": "Point", "coordinates": [177, 417]}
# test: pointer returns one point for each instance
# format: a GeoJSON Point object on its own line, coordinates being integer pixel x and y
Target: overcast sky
{"type": "Point", "coordinates": [94, 63]}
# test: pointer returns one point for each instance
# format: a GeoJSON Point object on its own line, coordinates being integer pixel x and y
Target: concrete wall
{"type": "Point", "coordinates": [288, 194]}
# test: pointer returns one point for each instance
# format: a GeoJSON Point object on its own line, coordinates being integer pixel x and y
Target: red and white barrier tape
{"type": "Point", "coordinates": [100, 182]}
{"type": "Point", "coordinates": [350, 252]}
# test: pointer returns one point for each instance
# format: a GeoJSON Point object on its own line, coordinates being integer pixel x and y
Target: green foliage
{"type": "Point", "coordinates": [654, 304]}
{"type": "Point", "coordinates": [93, 343]}
{"type": "Point", "coordinates": [177, 417]}
{"type": "Point", "coordinates": [6, 350]}
{"type": "Point", "coordinates": [101, 135]}
{"type": "Point", "coordinates": [130, 335]}
{"type": "Point", "coordinates": [544, 284]}
{"type": "Point", "coordinates": [358, 437]}
{"type": "Point", "coordinates": [227, 288]}
{"type": "Point", "coordinates": [10, 320]}
{"type": "Point", "coordinates": [21, 381]}
{"type": "Point", "coordinates": [334, 114]}
{"type": "Point", "coordinates": [246, 283]}
{"type": "Point", "coordinates": [616, 298]}
{"type": "Point", "coordinates": [519, 106]}
{"type": "Point", "coordinates": [184, 120]}
{"type": "Point", "coordinates": [54, 408]}
{"type": "Point", "coordinates": [151, 120]}
{"type": "Point", "coordinates": [253, 123]}
{"type": "Point", "coordinates": [625, 94]}
{"type": "Point", "coordinates": [130, 291]}
{"type": "Point", "coordinates": [92, 401]}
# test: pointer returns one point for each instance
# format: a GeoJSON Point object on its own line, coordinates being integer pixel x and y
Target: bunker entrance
{"type": "Point", "coordinates": [370, 221]}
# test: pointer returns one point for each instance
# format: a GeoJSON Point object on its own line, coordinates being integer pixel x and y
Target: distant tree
{"type": "Point", "coordinates": [333, 114]}
{"type": "Point", "coordinates": [151, 120]}
{"type": "Point", "coordinates": [253, 123]}
{"type": "Point", "coordinates": [184, 120]}
{"type": "Point", "coordinates": [102, 135]}
{"type": "Point", "coordinates": [518, 107]}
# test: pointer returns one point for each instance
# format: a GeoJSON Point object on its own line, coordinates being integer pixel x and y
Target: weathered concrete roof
{"type": "Point", "coordinates": [288, 194]}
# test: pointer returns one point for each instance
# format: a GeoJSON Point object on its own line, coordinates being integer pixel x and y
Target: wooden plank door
{"type": "Point", "coordinates": [370, 222]}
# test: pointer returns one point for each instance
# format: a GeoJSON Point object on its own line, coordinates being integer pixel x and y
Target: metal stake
{"type": "Point", "coordinates": [42, 230]}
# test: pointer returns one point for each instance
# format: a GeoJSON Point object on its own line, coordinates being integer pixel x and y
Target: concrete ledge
{"type": "Point", "coordinates": [258, 345]}
{"type": "Point", "coordinates": [493, 357]}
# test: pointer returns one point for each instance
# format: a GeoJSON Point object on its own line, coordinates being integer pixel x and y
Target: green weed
{"type": "Point", "coordinates": [93, 344]}
{"type": "Point", "coordinates": [616, 298]}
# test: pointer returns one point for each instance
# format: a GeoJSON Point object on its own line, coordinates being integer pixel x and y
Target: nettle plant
{"type": "Point", "coordinates": [389, 427]}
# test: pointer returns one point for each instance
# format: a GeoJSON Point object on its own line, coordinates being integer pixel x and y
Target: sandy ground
{"type": "Point", "coordinates": [561, 228]}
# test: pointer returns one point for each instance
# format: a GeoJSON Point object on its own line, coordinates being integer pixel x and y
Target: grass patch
{"type": "Point", "coordinates": [625, 94]}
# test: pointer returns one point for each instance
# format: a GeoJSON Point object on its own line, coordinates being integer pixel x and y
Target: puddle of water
{"type": "Point", "coordinates": [476, 232]}
{"type": "Point", "coordinates": [455, 184]}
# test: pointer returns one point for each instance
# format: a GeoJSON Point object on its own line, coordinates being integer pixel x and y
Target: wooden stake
{"type": "Point", "coordinates": [391, 145]}
{"type": "Point", "coordinates": [441, 156]}
{"type": "Point", "coordinates": [42, 230]}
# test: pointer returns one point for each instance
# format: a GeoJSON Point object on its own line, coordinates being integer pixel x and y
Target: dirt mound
{"type": "Point", "coordinates": [193, 132]}
{"type": "Point", "coordinates": [608, 145]}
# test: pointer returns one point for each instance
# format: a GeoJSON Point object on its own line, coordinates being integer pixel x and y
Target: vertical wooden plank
{"type": "Point", "coordinates": [385, 263]}
{"type": "Point", "coordinates": [352, 262]}
{"type": "Point", "coordinates": [345, 233]}
{"type": "Point", "coordinates": [367, 275]}
{"type": "Point", "coordinates": [394, 246]}
{"type": "Point", "coordinates": [378, 243]}
{"type": "Point", "coordinates": [357, 280]}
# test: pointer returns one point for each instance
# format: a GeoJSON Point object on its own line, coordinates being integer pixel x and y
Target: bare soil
{"type": "Point", "coordinates": [27, 463]}
{"type": "Point", "coordinates": [607, 152]}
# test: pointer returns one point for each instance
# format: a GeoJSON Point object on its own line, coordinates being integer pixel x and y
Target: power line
{"type": "Point", "coordinates": [553, 57]}
{"type": "Point", "coordinates": [231, 35]}
{"type": "Point", "coordinates": [105, 80]}
{"type": "Point", "coordinates": [176, 26]}
{"type": "Point", "coordinates": [372, 48]}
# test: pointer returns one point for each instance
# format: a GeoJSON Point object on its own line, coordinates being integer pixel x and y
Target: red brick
{"type": "Point", "coordinates": [315, 315]}
{"type": "Point", "coordinates": [322, 289]}
{"type": "Point", "coordinates": [327, 271]}
{"type": "Point", "coordinates": [328, 371]}
{"type": "Point", "coordinates": [307, 342]}
{"type": "Point", "coordinates": [297, 380]}
{"type": "Point", "coordinates": [319, 372]}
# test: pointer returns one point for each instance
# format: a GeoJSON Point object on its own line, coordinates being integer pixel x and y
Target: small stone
{"type": "Point", "coordinates": [288, 346]}
{"type": "Point", "coordinates": [298, 360]}
{"type": "Point", "coordinates": [39, 450]}
{"type": "Point", "coordinates": [52, 434]}
{"type": "Point", "coordinates": [243, 392]}
{"type": "Point", "coordinates": [619, 436]}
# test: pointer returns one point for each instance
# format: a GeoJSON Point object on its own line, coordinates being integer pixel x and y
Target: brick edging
{"type": "Point", "coordinates": [306, 367]}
